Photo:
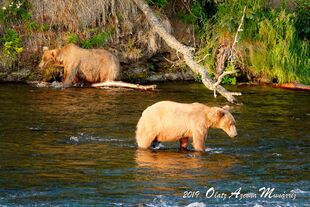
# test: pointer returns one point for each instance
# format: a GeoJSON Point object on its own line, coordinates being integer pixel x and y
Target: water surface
{"type": "Point", "coordinates": [76, 147]}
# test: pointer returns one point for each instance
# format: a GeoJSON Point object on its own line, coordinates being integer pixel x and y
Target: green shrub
{"type": "Point", "coordinates": [96, 40]}
{"type": "Point", "coordinates": [14, 12]}
{"type": "Point", "coordinates": [270, 45]}
{"type": "Point", "coordinates": [11, 43]}
{"type": "Point", "coordinates": [157, 3]}
{"type": "Point", "coordinates": [73, 38]}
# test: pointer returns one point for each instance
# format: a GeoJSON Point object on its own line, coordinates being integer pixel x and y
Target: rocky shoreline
{"type": "Point", "coordinates": [136, 75]}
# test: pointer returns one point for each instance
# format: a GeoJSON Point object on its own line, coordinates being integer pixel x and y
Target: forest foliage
{"type": "Point", "coordinates": [274, 43]}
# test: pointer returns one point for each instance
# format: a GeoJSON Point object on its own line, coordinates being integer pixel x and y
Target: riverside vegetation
{"type": "Point", "coordinates": [273, 46]}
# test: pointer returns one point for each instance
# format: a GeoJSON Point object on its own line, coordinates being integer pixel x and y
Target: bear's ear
{"type": "Point", "coordinates": [215, 114]}
{"type": "Point", "coordinates": [227, 108]}
{"type": "Point", "coordinates": [45, 48]}
{"type": "Point", "coordinates": [220, 114]}
{"type": "Point", "coordinates": [54, 53]}
{"type": "Point", "coordinates": [59, 59]}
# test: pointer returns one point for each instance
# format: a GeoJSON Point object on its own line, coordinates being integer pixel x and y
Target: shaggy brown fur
{"type": "Point", "coordinates": [168, 121]}
{"type": "Point", "coordinates": [82, 65]}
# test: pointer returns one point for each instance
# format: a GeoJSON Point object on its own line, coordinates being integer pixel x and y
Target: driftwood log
{"type": "Point", "coordinates": [124, 85]}
{"type": "Point", "coordinates": [292, 86]}
{"type": "Point", "coordinates": [186, 51]}
{"type": "Point", "coordinates": [118, 84]}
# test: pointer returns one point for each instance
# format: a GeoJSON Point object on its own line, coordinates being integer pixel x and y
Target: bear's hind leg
{"type": "Point", "coordinates": [183, 143]}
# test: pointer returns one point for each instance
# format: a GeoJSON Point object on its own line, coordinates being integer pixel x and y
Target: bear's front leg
{"type": "Point", "coordinates": [199, 141]}
{"type": "Point", "coordinates": [67, 81]}
{"type": "Point", "coordinates": [183, 143]}
{"type": "Point", "coordinates": [70, 73]}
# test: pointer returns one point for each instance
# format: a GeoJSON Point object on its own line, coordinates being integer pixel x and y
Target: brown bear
{"type": "Point", "coordinates": [168, 121]}
{"type": "Point", "coordinates": [82, 65]}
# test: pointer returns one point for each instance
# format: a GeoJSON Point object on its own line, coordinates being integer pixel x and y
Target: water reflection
{"type": "Point", "coordinates": [188, 165]}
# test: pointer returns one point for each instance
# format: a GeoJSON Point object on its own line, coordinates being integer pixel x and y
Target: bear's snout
{"type": "Point", "coordinates": [232, 132]}
{"type": "Point", "coordinates": [233, 135]}
{"type": "Point", "coordinates": [42, 65]}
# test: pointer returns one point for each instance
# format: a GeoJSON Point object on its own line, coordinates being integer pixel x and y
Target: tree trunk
{"type": "Point", "coordinates": [184, 50]}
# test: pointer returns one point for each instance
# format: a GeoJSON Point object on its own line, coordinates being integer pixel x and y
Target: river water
{"type": "Point", "coordinates": [76, 147]}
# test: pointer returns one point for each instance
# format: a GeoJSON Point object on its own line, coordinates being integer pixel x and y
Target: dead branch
{"type": "Point", "coordinates": [219, 80]}
{"type": "Point", "coordinates": [203, 58]}
{"type": "Point", "coordinates": [123, 85]}
{"type": "Point", "coordinates": [174, 63]}
{"type": "Point", "coordinates": [233, 47]}
{"type": "Point", "coordinates": [232, 57]}
{"type": "Point", "coordinates": [187, 52]}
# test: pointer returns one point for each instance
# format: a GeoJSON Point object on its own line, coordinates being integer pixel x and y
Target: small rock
{"type": "Point", "coordinates": [56, 84]}
{"type": "Point", "coordinates": [156, 77]}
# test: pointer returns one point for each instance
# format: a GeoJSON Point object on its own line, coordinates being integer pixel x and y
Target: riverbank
{"type": "Point", "coordinates": [272, 48]}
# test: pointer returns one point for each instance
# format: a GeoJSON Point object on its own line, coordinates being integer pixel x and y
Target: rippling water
{"type": "Point", "coordinates": [76, 147]}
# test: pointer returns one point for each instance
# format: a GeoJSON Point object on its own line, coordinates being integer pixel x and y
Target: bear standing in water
{"type": "Point", "coordinates": [82, 65]}
{"type": "Point", "coordinates": [168, 121]}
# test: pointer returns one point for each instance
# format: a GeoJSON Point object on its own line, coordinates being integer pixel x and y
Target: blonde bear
{"type": "Point", "coordinates": [82, 65]}
{"type": "Point", "coordinates": [168, 121]}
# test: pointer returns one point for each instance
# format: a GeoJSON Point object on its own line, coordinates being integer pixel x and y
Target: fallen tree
{"type": "Point", "coordinates": [186, 51]}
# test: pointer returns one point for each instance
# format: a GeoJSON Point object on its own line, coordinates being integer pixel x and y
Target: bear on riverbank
{"type": "Point", "coordinates": [82, 65]}
{"type": "Point", "coordinates": [168, 121]}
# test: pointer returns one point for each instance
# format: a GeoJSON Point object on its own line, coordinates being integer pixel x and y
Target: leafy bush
{"type": "Point", "coordinates": [12, 43]}
{"type": "Point", "coordinates": [73, 38]}
{"type": "Point", "coordinates": [157, 3]}
{"type": "Point", "coordinates": [14, 11]}
{"type": "Point", "coordinates": [302, 23]}
{"type": "Point", "coordinates": [271, 44]}
{"type": "Point", "coordinates": [96, 40]}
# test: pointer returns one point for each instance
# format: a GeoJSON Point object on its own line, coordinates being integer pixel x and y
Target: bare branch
{"type": "Point", "coordinates": [231, 58]}
{"type": "Point", "coordinates": [203, 58]}
{"type": "Point", "coordinates": [174, 63]}
{"type": "Point", "coordinates": [233, 47]}
{"type": "Point", "coordinates": [219, 80]}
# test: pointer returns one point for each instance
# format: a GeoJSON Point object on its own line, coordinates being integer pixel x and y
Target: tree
{"type": "Point", "coordinates": [186, 51]}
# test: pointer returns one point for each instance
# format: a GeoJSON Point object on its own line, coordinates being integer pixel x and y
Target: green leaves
{"type": "Point", "coordinates": [15, 11]}
{"type": "Point", "coordinates": [12, 43]}
{"type": "Point", "coordinates": [97, 39]}
{"type": "Point", "coordinates": [158, 3]}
